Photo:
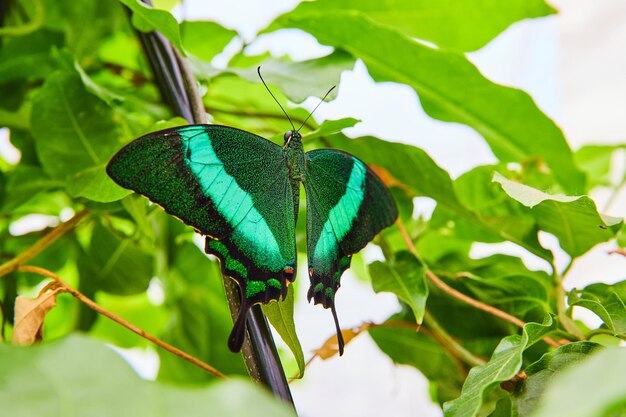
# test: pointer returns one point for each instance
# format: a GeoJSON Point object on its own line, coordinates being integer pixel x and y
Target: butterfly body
{"type": "Point", "coordinates": [242, 192]}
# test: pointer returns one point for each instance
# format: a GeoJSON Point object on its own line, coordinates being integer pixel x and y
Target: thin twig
{"type": "Point", "coordinates": [459, 295]}
{"type": "Point", "coordinates": [92, 304]}
{"type": "Point", "coordinates": [42, 243]}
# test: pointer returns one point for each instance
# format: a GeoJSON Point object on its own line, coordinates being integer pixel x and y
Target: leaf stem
{"type": "Point", "coordinates": [42, 243]}
{"type": "Point", "coordinates": [449, 343]}
{"type": "Point", "coordinates": [459, 295]}
{"type": "Point", "coordinates": [94, 306]}
{"type": "Point", "coordinates": [561, 304]}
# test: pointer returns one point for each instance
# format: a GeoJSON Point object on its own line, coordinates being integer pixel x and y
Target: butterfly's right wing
{"type": "Point", "coordinates": [347, 205]}
{"type": "Point", "coordinates": [231, 186]}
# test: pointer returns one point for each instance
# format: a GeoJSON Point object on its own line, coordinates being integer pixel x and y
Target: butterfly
{"type": "Point", "coordinates": [242, 192]}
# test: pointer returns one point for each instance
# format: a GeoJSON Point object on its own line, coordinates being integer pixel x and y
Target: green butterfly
{"type": "Point", "coordinates": [242, 192]}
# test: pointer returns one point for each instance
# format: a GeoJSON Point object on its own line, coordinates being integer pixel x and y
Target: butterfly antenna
{"type": "Point", "coordinates": [318, 104]}
{"type": "Point", "coordinates": [258, 70]}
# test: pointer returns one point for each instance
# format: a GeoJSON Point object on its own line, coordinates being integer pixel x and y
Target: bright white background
{"type": "Point", "coordinates": [574, 67]}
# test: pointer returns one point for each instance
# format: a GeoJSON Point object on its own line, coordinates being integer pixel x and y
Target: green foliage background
{"type": "Point", "coordinates": [76, 87]}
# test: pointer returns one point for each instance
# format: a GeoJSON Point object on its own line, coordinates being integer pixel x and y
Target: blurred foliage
{"type": "Point", "coordinates": [74, 93]}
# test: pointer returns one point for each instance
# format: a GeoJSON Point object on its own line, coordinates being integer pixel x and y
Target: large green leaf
{"type": "Point", "coordinates": [594, 387]}
{"type": "Point", "coordinates": [79, 376]}
{"type": "Point", "coordinates": [404, 277]}
{"type": "Point", "coordinates": [205, 39]}
{"type": "Point", "coordinates": [574, 220]}
{"type": "Point", "coordinates": [28, 57]}
{"type": "Point", "coordinates": [451, 24]}
{"type": "Point", "coordinates": [22, 184]}
{"type": "Point", "coordinates": [505, 362]}
{"type": "Point", "coordinates": [115, 264]}
{"type": "Point", "coordinates": [280, 315]}
{"type": "Point", "coordinates": [148, 19]}
{"type": "Point", "coordinates": [75, 136]}
{"type": "Point", "coordinates": [541, 373]}
{"type": "Point", "coordinates": [450, 88]}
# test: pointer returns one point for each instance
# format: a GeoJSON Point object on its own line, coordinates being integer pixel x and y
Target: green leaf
{"type": "Point", "coordinates": [451, 24]}
{"type": "Point", "coordinates": [330, 127]}
{"type": "Point", "coordinates": [147, 19]}
{"type": "Point", "coordinates": [602, 290]}
{"type": "Point", "coordinates": [302, 79]}
{"type": "Point", "coordinates": [82, 377]}
{"type": "Point", "coordinates": [117, 265]}
{"type": "Point", "coordinates": [610, 308]}
{"type": "Point", "coordinates": [505, 362]}
{"type": "Point", "coordinates": [22, 184]}
{"type": "Point", "coordinates": [594, 387]}
{"type": "Point", "coordinates": [541, 373]}
{"type": "Point", "coordinates": [574, 220]}
{"type": "Point", "coordinates": [450, 88]}
{"type": "Point", "coordinates": [75, 135]}
{"type": "Point", "coordinates": [595, 162]}
{"type": "Point", "coordinates": [503, 408]}
{"type": "Point", "coordinates": [502, 281]}
{"type": "Point", "coordinates": [205, 39]}
{"type": "Point", "coordinates": [71, 17]}
{"type": "Point", "coordinates": [495, 210]}
{"type": "Point", "coordinates": [280, 315]}
{"type": "Point", "coordinates": [404, 277]}
{"type": "Point", "coordinates": [28, 57]}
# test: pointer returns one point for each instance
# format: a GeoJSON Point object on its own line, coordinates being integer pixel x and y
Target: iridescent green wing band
{"type": "Point", "coordinates": [231, 186]}
{"type": "Point", "coordinates": [347, 205]}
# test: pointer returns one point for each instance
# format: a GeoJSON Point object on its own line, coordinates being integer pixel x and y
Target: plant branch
{"type": "Point", "coordinates": [561, 305]}
{"type": "Point", "coordinates": [42, 243]}
{"type": "Point", "coordinates": [459, 295]}
{"type": "Point", "coordinates": [94, 306]}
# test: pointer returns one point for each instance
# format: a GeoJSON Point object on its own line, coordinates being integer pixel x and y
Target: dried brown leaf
{"type": "Point", "coordinates": [30, 314]}
{"type": "Point", "coordinates": [330, 348]}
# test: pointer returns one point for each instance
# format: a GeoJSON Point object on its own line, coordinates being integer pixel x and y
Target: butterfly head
{"type": "Point", "coordinates": [292, 135]}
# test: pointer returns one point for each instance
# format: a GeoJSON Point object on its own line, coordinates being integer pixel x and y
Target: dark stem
{"type": "Point", "coordinates": [177, 87]}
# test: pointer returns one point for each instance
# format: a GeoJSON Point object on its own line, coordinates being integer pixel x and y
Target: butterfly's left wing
{"type": "Point", "coordinates": [347, 205]}
{"type": "Point", "coordinates": [230, 185]}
